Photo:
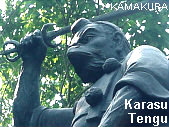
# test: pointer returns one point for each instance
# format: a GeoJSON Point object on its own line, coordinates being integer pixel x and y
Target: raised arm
{"type": "Point", "coordinates": [26, 108]}
{"type": "Point", "coordinates": [33, 53]}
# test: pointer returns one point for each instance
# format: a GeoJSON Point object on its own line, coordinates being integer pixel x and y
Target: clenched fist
{"type": "Point", "coordinates": [33, 48]}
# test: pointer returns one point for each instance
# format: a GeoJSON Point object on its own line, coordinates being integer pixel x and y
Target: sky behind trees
{"type": "Point", "coordinates": [60, 86]}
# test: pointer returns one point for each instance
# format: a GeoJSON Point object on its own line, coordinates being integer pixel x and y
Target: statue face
{"type": "Point", "coordinates": [90, 48]}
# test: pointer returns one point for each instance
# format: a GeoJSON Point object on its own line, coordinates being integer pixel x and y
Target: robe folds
{"type": "Point", "coordinates": [145, 69]}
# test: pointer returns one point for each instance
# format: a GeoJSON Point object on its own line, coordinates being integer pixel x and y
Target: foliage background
{"type": "Point", "coordinates": [60, 86]}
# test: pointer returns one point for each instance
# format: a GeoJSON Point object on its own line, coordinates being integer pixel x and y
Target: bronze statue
{"type": "Point", "coordinates": [130, 88]}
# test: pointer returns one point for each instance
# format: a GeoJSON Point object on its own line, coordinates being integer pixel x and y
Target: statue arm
{"type": "Point", "coordinates": [45, 117]}
{"type": "Point", "coordinates": [27, 98]}
{"type": "Point", "coordinates": [27, 110]}
{"type": "Point", "coordinates": [27, 94]}
{"type": "Point", "coordinates": [26, 106]}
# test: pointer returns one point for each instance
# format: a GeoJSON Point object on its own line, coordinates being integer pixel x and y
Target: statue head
{"type": "Point", "coordinates": [92, 44]}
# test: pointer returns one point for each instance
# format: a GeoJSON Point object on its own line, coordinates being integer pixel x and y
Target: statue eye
{"type": "Point", "coordinates": [88, 38]}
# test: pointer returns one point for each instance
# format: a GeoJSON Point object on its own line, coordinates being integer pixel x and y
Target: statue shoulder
{"type": "Point", "coordinates": [146, 55]}
{"type": "Point", "coordinates": [146, 67]}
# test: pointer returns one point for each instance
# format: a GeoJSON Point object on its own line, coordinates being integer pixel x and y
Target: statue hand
{"type": "Point", "coordinates": [33, 48]}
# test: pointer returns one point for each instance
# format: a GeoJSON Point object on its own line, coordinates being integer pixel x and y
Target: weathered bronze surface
{"type": "Point", "coordinates": [101, 55]}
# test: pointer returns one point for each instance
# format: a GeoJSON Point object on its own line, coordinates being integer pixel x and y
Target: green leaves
{"type": "Point", "coordinates": [60, 86]}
